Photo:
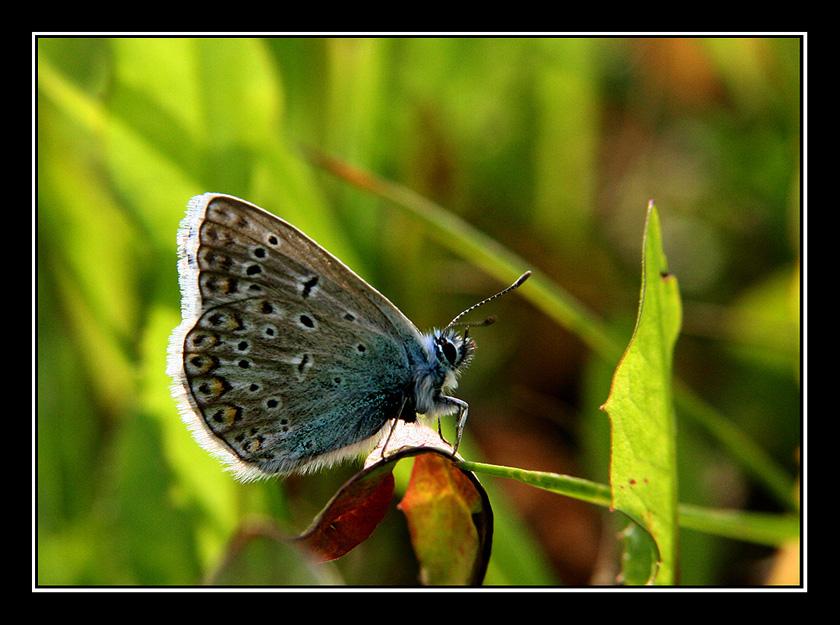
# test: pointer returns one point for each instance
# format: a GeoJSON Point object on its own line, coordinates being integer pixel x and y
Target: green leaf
{"type": "Point", "coordinates": [640, 565]}
{"type": "Point", "coordinates": [643, 471]}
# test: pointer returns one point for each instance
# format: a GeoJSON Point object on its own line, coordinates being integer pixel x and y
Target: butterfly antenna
{"type": "Point", "coordinates": [489, 320]}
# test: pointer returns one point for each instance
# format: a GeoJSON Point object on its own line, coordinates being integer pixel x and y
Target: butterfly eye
{"type": "Point", "coordinates": [450, 352]}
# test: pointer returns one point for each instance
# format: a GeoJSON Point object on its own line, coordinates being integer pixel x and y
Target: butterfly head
{"type": "Point", "coordinates": [453, 350]}
{"type": "Point", "coordinates": [450, 354]}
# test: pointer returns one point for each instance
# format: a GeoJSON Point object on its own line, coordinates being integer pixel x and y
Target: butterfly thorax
{"type": "Point", "coordinates": [448, 354]}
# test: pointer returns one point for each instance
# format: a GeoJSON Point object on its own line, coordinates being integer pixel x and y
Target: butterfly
{"type": "Point", "coordinates": [285, 360]}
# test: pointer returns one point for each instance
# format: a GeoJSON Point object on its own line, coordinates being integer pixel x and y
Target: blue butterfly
{"type": "Point", "coordinates": [286, 360]}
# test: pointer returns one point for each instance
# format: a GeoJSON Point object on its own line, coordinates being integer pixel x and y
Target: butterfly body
{"type": "Point", "coordinates": [286, 360]}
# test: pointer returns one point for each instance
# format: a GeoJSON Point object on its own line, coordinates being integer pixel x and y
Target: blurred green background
{"type": "Point", "coordinates": [552, 147]}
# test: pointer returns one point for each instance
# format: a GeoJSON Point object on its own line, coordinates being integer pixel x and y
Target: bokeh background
{"type": "Point", "coordinates": [551, 147]}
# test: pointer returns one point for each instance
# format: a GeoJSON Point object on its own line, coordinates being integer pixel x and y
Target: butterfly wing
{"type": "Point", "coordinates": [285, 360]}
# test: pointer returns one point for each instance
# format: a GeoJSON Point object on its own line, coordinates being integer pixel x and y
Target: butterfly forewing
{"type": "Point", "coordinates": [287, 358]}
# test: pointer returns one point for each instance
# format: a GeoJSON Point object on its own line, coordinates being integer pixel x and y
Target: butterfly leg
{"type": "Point", "coordinates": [393, 426]}
{"type": "Point", "coordinates": [463, 409]}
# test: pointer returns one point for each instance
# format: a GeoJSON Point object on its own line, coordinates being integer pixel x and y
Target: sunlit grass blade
{"type": "Point", "coordinates": [570, 486]}
{"type": "Point", "coordinates": [755, 527]}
